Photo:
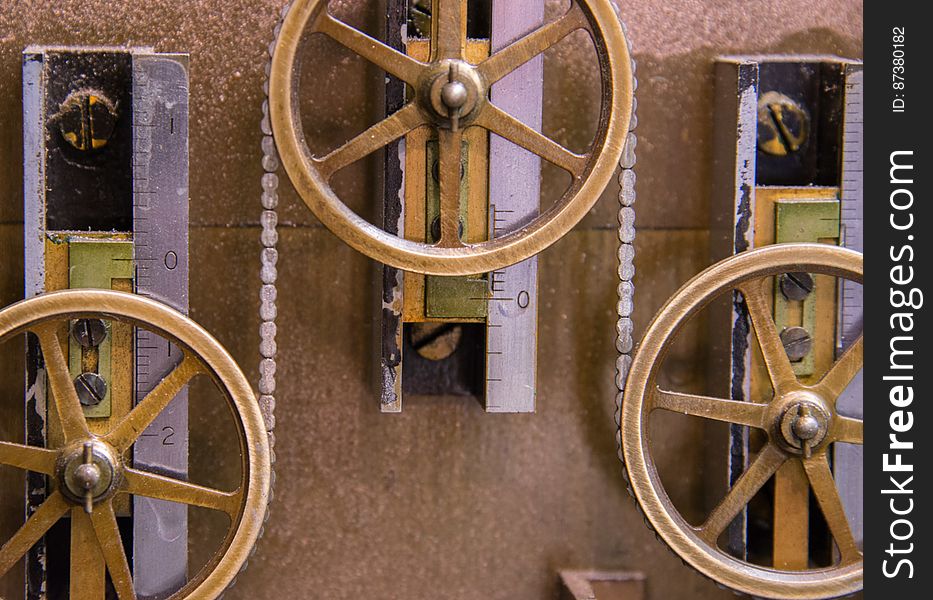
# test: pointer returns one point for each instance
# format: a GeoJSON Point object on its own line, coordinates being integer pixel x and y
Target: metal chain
{"type": "Point", "coordinates": [625, 343]}
{"type": "Point", "coordinates": [269, 257]}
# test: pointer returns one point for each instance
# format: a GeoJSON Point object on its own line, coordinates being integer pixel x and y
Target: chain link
{"type": "Point", "coordinates": [625, 343]}
{"type": "Point", "coordinates": [269, 256]}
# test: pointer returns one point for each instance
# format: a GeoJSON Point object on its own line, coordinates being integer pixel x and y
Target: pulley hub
{"type": "Point", "coordinates": [805, 421]}
{"type": "Point", "coordinates": [89, 470]}
{"type": "Point", "coordinates": [452, 93]}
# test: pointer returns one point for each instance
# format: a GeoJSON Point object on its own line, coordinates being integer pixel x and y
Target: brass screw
{"type": "Point", "coordinates": [89, 333]}
{"type": "Point", "coordinates": [797, 343]}
{"type": "Point", "coordinates": [436, 341]}
{"type": "Point", "coordinates": [796, 286]}
{"type": "Point", "coordinates": [91, 388]}
{"type": "Point", "coordinates": [86, 120]}
{"type": "Point", "coordinates": [783, 125]}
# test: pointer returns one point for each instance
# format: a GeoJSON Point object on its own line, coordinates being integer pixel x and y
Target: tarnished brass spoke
{"type": "Point", "coordinates": [448, 18]}
{"type": "Point", "coordinates": [449, 170]}
{"type": "Point", "coordinates": [73, 423]}
{"type": "Point", "coordinates": [767, 463]}
{"type": "Point", "coordinates": [520, 52]}
{"type": "Point", "coordinates": [160, 487]}
{"type": "Point", "coordinates": [718, 409]}
{"type": "Point", "coordinates": [125, 433]}
{"type": "Point", "coordinates": [847, 430]}
{"type": "Point", "coordinates": [30, 458]}
{"type": "Point", "coordinates": [780, 370]}
{"type": "Point", "coordinates": [824, 488]}
{"type": "Point", "coordinates": [54, 508]}
{"type": "Point", "coordinates": [505, 125]}
{"type": "Point", "coordinates": [88, 576]}
{"type": "Point", "coordinates": [374, 138]}
{"type": "Point", "coordinates": [841, 374]}
{"type": "Point", "coordinates": [111, 546]}
{"type": "Point", "coordinates": [388, 59]}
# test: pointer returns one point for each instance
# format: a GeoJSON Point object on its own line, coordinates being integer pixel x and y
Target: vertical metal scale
{"type": "Point", "coordinates": [515, 189]}
{"type": "Point", "coordinates": [106, 205]}
{"type": "Point", "coordinates": [160, 243]}
{"type": "Point", "coordinates": [849, 457]}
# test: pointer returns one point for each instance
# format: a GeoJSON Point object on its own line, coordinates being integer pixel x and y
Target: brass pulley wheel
{"type": "Point", "coordinates": [799, 423]}
{"type": "Point", "coordinates": [88, 472]}
{"type": "Point", "coordinates": [450, 95]}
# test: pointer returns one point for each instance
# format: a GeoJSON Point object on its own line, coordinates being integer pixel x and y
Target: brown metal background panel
{"type": "Point", "coordinates": [425, 504]}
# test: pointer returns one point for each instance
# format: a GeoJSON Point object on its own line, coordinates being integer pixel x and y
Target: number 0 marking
{"type": "Point", "coordinates": [524, 299]}
{"type": "Point", "coordinates": [171, 260]}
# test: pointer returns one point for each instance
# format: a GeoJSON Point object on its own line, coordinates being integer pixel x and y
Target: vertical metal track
{"type": "Point", "coordinates": [514, 196]}
{"type": "Point", "coordinates": [849, 458]}
{"type": "Point", "coordinates": [393, 222]}
{"type": "Point", "coordinates": [737, 81]}
{"type": "Point", "coordinates": [34, 242]}
{"type": "Point", "coordinates": [160, 234]}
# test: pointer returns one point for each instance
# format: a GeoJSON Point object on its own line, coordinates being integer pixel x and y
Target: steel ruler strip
{"type": "Point", "coordinates": [393, 222]}
{"type": "Point", "coordinates": [160, 234]}
{"type": "Point", "coordinates": [514, 196]}
{"type": "Point", "coordinates": [848, 466]}
{"type": "Point", "coordinates": [34, 275]}
{"type": "Point", "coordinates": [852, 196]}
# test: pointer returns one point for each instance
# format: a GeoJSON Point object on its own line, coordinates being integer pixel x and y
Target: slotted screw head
{"type": "Point", "coordinates": [90, 333]}
{"type": "Point", "coordinates": [87, 119]}
{"type": "Point", "coordinates": [797, 343]}
{"type": "Point", "coordinates": [796, 286]}
{"type": "Point", "coordinates": [436, 341]}
{"type": "Point", "coordinates": [783, 125]}
{"type": "Point", "coordinates": [91, 388]}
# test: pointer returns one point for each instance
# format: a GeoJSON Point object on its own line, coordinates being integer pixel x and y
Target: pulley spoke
{"type": "Point", "coordinates": [129, 429]}
{"type": "Point", "coordinates": [730, 411]}
{"type": "Point", "coordinates": [54, 508]}
{"type": "Point", "coordinates": [449, 20]}
{"type": "Point", "coordinates": [505, 125]}
{"type": "Point", "coordinates": [378, 136]}
{"type": "Point", "coordinates": [449, 170]}
{"type": "Point", "coordinates": [841, 374]}
{"type": "Point", "coordinates": [847, 430]}
{"type": "Point", "coordinates": [824, 488]}
{"type": "Point", "coordinates": [111, 546]}
{"type": "Point", "coordinates": [767, 463]}
{"type": "Point", "coordinates": [88, 576]}
{"type": "Point", "coordinates": [30, 458]}
{"type": "Point", "coordinates": [68, 407]}
{"type": "Point", "coordinates": [780, 370]}
{"type": "Point", "coordinates": [150, 485]}
{"type": "Point", "coordinates": [388, 59]}
{"type": "Point", "coordinates": [521, 51]}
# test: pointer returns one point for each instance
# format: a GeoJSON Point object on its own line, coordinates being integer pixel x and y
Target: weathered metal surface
{"type": "Point", "coordinates": [514, 199]}
{"type": "Point", "coordinates": [160, 244]}
{"type": "Point", "coordinates": [435, 470]}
